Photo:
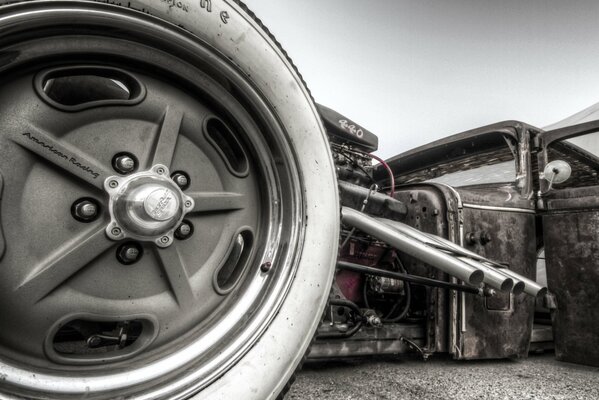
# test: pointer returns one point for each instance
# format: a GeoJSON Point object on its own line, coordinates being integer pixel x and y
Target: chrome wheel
{"type": "Point", "coordinates": [146, 185]}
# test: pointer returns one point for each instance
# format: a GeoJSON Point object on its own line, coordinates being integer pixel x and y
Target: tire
{"type": "Point", "coordinates": [168, 204]}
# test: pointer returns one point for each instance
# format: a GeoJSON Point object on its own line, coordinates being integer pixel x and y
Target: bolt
{"type": "Point", "coordinates": [124, 163]}
{"type": "Point", "coordinates": [129, 253]}
{"type": "Point", "coordinates": [188, 204]}
{"type": "Point", "coordinates": [160, 170]}
{"type": "Point", "coordinates": [266, 266]}
{"type": "Point", "coordinates": [115, 231]}
{"type": "Point", "coordinates": [164, 239]}
{"type": "Point", "coordinates": [94, 341]}
{"type": "Point", "coordinates": [471, 238]}
{"type": "Point", "coordinates": [113, 184]}
{"type": "Point", "coordinates": [374, 321]}
{"type": "Point", "coordinates": [181, 179]}
{"type": "Point", "coordinates": [485, 238]}
{"type": "Point", "coordinates": [85, 210]}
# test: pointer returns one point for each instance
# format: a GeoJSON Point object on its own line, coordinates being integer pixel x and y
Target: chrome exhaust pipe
{"type": "Point", "coordinates": [412, 246]}
{"type": "Point", "coordinates": [493, 271]}
{"type": "Point", "coordinates": [530, 287]}
{"type": "Point", "coordinates": [493, 277]}
{"type": "Point", "coordinates": [518, 285]}
{"type": "Point", "coordinates": [521, 283]}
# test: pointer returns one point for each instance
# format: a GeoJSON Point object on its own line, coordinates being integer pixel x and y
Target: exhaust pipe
{"type": "Point", "coordinates": [493, 277]}
{"type": "Point", "coordinates": [412, 246]}
{"type": "Point", "coordinates": [530, 287]}
{"type": "Point", "coordinates": [521, 283]}
{"type": "Point", "coordinates": [518, 287]}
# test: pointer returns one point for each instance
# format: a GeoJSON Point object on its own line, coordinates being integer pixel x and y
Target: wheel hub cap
{"type": "Point", "coordinates": [146, 206]}
{"type": "Point", "coordinates": [161, 204]}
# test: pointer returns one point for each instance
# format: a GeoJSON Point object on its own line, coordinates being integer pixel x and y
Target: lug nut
{"type": "Point", "coordinates": [85, 210]}
{"type": "Point", "coordinates": [181, 179]}
{"type": "Point", "coordinates": [124, 163]}
{"type": "Point", "coordinates": [184, 231]}
{"type": "Point", "coordinates": [129, 253]}
{"type": "Point", "coordinates": [88, 210]}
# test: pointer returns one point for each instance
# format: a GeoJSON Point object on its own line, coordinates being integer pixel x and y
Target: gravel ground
{"type": "Point", "coordinates": [538, 377]}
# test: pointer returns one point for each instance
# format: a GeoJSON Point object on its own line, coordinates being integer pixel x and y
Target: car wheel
{"type": "Point", "coordinates": [168, 204]}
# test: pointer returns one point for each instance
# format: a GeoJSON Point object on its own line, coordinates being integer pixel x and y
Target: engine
{"type": "Point", "coordinates": [380, 299]}
{"type": "Point", "coordinates": [395, 264]}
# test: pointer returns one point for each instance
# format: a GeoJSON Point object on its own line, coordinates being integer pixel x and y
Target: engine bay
{"type": "Point", "coordinates": [416, 267]}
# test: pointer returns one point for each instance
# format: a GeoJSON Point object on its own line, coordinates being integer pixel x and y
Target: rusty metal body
{"type": "Point", "coordinates": [478, 198]}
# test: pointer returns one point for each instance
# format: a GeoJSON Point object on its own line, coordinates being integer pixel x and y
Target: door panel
{"type": "Point", "coordinates": [501, 228]}
{"type": "Point", "coordinates": [572, 257]}
{"type": "Point", "coordinates": [571, 237]}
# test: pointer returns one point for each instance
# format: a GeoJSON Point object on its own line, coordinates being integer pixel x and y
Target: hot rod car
{"type": "Point", "coordinates": [179, 219]}
{"type": "Point", "coordinates": [508, 195]}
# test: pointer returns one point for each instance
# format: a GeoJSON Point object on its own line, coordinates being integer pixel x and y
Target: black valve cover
{"type": "Point", "coordinates": [342, 130]}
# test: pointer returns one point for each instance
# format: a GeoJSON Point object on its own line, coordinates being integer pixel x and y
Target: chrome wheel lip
{"type": "Point", "coordinates": [56, 383]}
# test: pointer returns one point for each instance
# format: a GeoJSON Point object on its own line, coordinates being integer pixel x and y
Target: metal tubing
{"type": "Point", "coordinates": [462, 251]}
{"type": "Point", "coordinates": [521, 283]}
{"type": "Point", "coordinates": [494, 277]}
{"type": "Point", "coordinates": [412, 247]}
{"type": "Point", "coordinates": [436, 241]}
{"type": "Point", "coordinates": [518, 285]}
{"type": "Point", "coordinates": [417, 280]}
{"type": "Point", "coordinates": [530, 287]}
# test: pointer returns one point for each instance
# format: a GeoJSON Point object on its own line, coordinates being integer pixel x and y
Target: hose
{"type": "Point", "coordinates": [339, 335]}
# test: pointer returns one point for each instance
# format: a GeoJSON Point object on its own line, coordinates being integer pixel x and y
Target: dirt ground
{"type": "Point", "coordinates": [440, 378]}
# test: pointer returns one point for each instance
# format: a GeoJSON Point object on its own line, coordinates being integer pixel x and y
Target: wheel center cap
{"type": "Point", "coordinates": [147, 206]}
{"type": "Point", "coordinates": [161, 204]}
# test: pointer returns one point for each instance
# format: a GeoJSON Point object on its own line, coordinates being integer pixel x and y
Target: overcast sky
{"type": "Point", "coordinates": [413, 71]}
